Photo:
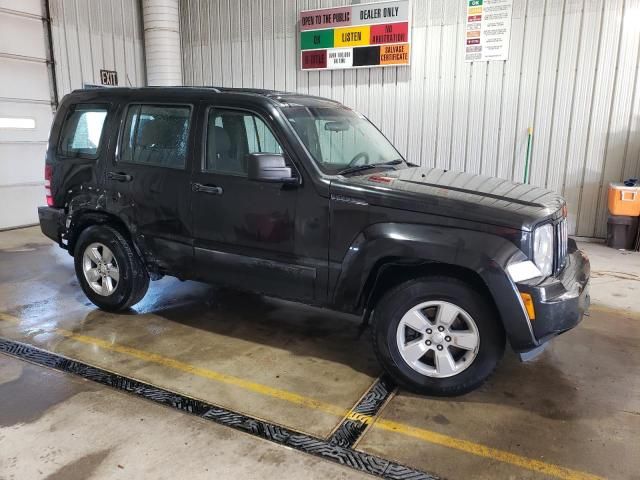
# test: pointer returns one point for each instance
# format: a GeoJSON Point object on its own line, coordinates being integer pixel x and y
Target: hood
{"type": "Point", "coordinates": [456, 194]}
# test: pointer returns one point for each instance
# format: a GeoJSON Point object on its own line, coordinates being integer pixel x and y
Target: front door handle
{"type": "Point", "coordinates": [119, 177]}
{"type": "Point", "coordinates": [211, 189]}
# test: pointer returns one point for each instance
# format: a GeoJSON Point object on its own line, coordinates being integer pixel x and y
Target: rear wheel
{"type": "Point", "coordinates": [110, 272]}
{"type": "Point", "coordinates": [438, 336]}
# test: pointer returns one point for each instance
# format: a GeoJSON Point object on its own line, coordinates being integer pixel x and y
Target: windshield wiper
{"type": "Point", "coordinates": [355, 169]}
{"type": "Point", "coordinates": [397, 161]}
{"type": "Point", "coordinates": [359, 168]}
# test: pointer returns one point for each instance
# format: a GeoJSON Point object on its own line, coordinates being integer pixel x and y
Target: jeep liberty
{"type": "Point", "coordinates": [302, 198]}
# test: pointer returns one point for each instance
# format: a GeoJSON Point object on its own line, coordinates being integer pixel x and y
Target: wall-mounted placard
{"type": "Point", "coordinates": [488, 30]}
{"type": "Point", "coordinates": [362, 35]}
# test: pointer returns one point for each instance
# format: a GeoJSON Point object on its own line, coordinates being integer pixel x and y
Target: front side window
{"type": "Point", "coordinates": [338, 137]}
{"type": "Point", "coordinates": [82, 131]}
{"type": "Point", "coordinates": [156, 135]}
{"type": "Point", "coordinates": [231, 136]}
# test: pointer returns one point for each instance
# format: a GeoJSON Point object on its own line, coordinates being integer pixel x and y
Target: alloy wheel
{"type": "Point", "coordinates": [100, 269]}
{"type": "Point", "coordinates": [438, 339]}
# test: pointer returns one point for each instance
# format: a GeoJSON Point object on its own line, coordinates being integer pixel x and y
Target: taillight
{"type": "Point", "coordinates": [48, 173]}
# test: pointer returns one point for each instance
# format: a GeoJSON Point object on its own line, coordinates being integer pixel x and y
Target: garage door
{"type": "Point", "coordinates": [25, 111]}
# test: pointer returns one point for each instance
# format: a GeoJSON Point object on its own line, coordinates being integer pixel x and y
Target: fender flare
{"type": "Point", "coordinates": [85, 210]}
{"type": "Point", "coordinates": [484, 253]}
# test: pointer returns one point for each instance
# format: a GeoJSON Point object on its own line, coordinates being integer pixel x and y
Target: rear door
{"type": "Point", "coordinates": [149, 180]}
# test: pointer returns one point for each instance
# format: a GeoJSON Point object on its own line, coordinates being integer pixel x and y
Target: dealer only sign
{"type": "Point", "coordinates": [363, 35]}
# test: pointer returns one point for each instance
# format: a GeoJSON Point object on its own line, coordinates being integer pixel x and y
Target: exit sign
{"type": "Point", "coordinates": [109, 78]}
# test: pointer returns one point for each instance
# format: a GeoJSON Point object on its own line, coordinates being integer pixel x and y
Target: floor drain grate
{"type": "Point", "coordinates": [352, 427]}
{"type": "Point", "coordinates": [331, 450]}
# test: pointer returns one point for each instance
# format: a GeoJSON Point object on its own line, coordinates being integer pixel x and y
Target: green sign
{"type": "Point", "coordinates": [315, 39]}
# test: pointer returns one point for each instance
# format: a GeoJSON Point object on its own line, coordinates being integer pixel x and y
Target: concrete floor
{"type": "Point", "coordinates": [573, 413]}
{"type": "Point", "coordinates": [60, 427]}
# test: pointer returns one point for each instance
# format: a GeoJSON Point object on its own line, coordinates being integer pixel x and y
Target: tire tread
{"type": "Point", "coordinates": [139, 274]}
{"type": "Point", "coordinates": [446, 391]}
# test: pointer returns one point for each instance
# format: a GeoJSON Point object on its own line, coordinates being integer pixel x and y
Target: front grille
{"type": "Point", "coordinates": [561, 247]}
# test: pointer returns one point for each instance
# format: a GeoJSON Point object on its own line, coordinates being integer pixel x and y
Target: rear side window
{"type": "Point", "coordinates": [156, 135]}
{"type": "Point", "coordinates": [82, 131]}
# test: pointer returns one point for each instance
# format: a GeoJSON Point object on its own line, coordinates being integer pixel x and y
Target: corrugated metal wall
{"type": "Point", "coordinates": [89, 35]}
{"type": "Point", "coordinates": [572, 76]}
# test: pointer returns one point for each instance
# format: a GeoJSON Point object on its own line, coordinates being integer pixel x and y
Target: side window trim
{"type": "Point", "coordinates": [107, 107]}
{"type": "Point", "coordinates": [205, 137]}
{"type": "Point", "coordinates": [123, 122]}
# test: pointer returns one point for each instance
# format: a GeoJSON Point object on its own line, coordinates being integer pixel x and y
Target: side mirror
{"type": "Point", "coordinates": [269, 167]}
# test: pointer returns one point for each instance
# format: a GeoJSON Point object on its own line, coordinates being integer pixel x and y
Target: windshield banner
{"type": "Point", "coordinates": [363, 35]}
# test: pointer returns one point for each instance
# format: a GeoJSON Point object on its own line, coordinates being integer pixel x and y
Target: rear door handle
{"type": "Point", "coordinates": [119, 177]}
{"type": "Point", "coordinates": [210, 189]}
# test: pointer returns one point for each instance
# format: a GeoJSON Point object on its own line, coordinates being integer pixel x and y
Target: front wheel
{"type": "Point", "coordinates": [110, 272]}
{"type": "Point", "coordinates": [437, 336]}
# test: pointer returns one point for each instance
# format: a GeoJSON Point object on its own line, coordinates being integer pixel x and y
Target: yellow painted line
{"type": "Point", "coordinates": [418, 433]}
{"type": "Point", "coordinates": [484, 451]}
{"type": "Point", "coordinates": [208, 374]}
{"type": "Point", "coordinates": [424, 435]}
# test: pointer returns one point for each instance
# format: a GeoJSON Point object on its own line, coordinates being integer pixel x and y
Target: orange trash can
{"type": "Point", "coordinates": [624, 200]}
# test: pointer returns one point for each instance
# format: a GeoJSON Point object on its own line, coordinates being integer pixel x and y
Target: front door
{"type": "Point", "coordinates": [245, 230]}
{"type": "Point", "coordinates": [150, 181]}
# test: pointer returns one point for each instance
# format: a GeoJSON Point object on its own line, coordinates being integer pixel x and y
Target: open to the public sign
{"type": "Point", "coordinates": [109, 78]}
{"type": "Point", "coordinates": [363, 35]}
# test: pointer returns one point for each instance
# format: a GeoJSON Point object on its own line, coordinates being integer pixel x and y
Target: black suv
{"type": "Point", "coordinates": [302, 198]}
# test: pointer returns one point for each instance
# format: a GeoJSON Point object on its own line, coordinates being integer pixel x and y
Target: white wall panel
{"type": "Point", "coordinates": [21, 79]}
{"type": "Point", "coordinates": [24, 93]}
{"type": "Point", "coordinates": [90, 35]}
{"type": "Point", "coordinates": [572, 75]}
{"type": "Point", "coordinates": [29, 156]}
{"type": "Point", "coordinates": [31, 7]}
{"type": "Point", "coordinates": [22, 35]}
{"type": "Point", "coordinates": [23, 200]}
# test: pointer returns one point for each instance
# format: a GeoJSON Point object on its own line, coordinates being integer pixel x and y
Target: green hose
{"type": "Point", "coordinates": [526, 165]}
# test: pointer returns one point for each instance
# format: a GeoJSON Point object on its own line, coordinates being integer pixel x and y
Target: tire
{"type": "Point", "coordinates": [132, 276]}
{"type": "Point", "coordinates": [444, 369]}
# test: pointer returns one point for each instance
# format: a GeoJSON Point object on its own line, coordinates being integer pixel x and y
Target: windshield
{"type": "Point", "coordinates": [339, 138]}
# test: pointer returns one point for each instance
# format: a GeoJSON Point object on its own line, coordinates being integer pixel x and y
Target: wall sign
{"type": "Point", "coordinates": [488, 30]}
{"type": "Point", "coordinates": [363, 35]}
{"type": "Point", "coordinates": [109, 77]}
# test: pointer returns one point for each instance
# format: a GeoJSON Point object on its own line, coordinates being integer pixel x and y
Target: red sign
{"type": "Point", "coordinates": [389, 33]}
{"type": "Point", "coordinates": [474, 18]}
{"type": "Point", "coordinates": [314, 59]}
{"type": "Point", "coordinates": [326, 18]}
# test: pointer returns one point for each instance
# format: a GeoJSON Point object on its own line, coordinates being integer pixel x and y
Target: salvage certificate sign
{"type": "Point", "coordinates": [363, 35]}
{"type": "Point", "coordinates": [488, 30]}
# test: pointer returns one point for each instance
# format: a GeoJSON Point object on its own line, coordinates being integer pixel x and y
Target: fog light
{"type": "Point", "coordinates": [528, 305]}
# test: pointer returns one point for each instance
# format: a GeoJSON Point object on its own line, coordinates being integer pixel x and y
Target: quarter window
{"type": "Point", "coordinates": [156, 135]}
{"type": "Point", "coordinates": [231, 136]}
{"type": "Point", "coordinates": [82, 131]}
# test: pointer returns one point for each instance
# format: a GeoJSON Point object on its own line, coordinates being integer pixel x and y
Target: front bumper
{"type": "Point", "coordinates": [560, 302]}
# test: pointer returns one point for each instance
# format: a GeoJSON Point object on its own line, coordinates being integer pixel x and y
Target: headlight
{"type": "Point", "coordinates": [543, 249]}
